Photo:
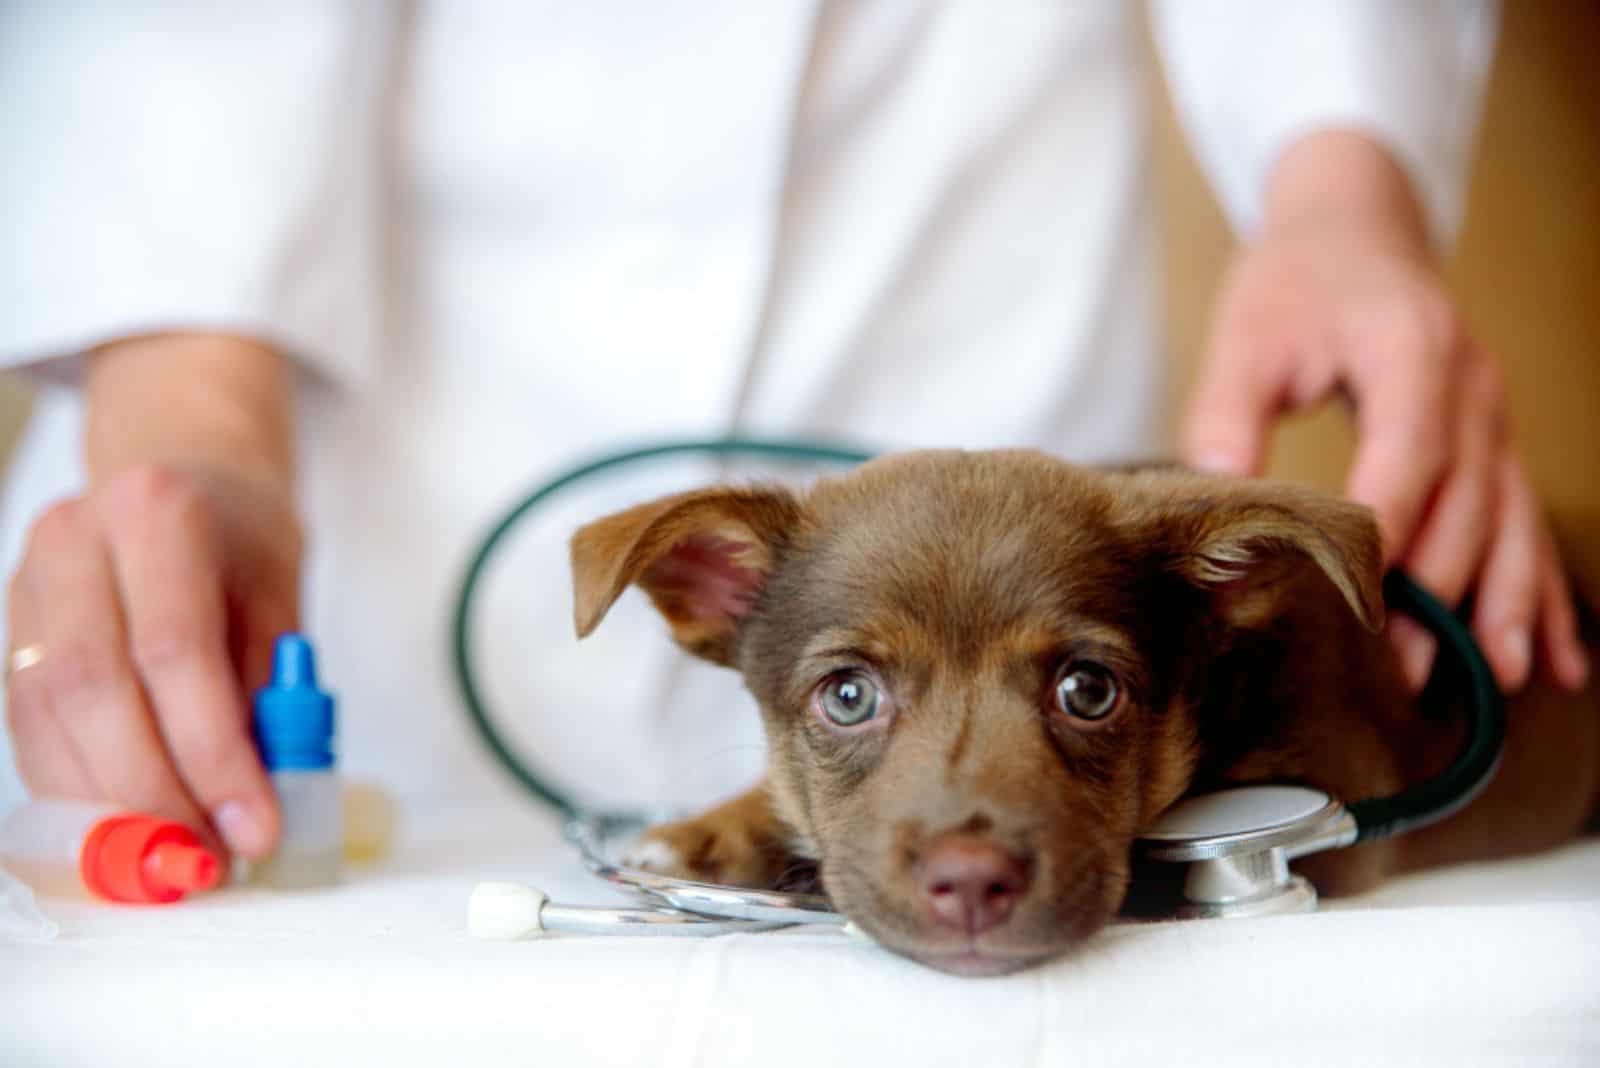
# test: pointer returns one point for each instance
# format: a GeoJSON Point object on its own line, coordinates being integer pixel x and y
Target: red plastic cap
{"type": "Point", "coordinates": [146, 860]}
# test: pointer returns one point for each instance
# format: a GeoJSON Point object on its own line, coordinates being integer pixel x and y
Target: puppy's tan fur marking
{"type": "Point", "coordinates": [1239, 620]}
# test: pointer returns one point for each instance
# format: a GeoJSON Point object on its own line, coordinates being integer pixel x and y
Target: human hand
{"type": "Point", "coordinates": [152, 601]}
{"type": "Point", "coordinates": [1340, 296]}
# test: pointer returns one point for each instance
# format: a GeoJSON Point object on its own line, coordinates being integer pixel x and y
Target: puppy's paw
{"type": "Point", "coordinates": [653, 851]}
{"type": "Point", "coordinates": [741, 842]}
{"type": "Point", "coordinates": [706, 849]}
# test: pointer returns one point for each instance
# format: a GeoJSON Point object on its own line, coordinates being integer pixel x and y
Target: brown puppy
{"type": "Point", "coordinates": [982, 674]}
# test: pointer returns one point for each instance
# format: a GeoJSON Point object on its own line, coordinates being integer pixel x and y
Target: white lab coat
{"type": "Point", "coordinates": [502, 237]}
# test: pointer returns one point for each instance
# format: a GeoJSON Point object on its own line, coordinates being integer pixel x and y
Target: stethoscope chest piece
{"type": "Point", "coordinates": [1237, 845]}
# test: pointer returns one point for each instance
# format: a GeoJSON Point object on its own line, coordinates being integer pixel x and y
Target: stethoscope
{"type": "Point", "coordinates": [1226, 853]}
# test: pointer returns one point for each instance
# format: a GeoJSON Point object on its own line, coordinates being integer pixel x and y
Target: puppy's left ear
{"type": "Point", "coordinates": [702, 556]}
{"type": "Point", "coordinates": [1246, 542]}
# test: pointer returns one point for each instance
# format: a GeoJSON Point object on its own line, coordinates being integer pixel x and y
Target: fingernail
{"type": "Point", "coordinates": [1218, 462]}
{"type": "Point", "coordinates": [240, 828]}
{"type": "Point", "coordinates": [1417, 648]}
{"type": "Point", "coordinates": [1517, 651]}
{"type": "Point", "coordinates": [1577, 669]}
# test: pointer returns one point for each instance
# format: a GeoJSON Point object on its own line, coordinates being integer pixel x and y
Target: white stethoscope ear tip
{"type": "Point", "coordinates": [505, 911]}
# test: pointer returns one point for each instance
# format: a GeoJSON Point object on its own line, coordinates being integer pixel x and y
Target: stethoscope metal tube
{"type": "Point", "coordinates": [1237, 843]}
{"type": "Point", "coordinates": [506, 911]}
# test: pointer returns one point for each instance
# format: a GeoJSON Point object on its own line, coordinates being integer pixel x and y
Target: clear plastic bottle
{"type": "Point", "coordinates": [79, 848]}
{"type": "Point", "coordinates": [294, 730]}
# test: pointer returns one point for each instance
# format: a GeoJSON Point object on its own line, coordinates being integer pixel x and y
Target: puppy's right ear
{"type": "Point", "coordinates": [702, 556]}
{"type": "Point", "coordinates": [1243, 539]}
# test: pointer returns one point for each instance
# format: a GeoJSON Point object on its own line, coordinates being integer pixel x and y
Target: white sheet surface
{"type": "Point", "coordinates": [1490, 964]}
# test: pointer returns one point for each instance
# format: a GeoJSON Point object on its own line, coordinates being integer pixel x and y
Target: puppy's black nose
{"type": "Point", "coordinates": [969, 883]}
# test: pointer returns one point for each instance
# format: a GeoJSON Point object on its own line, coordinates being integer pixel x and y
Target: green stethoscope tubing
{"type": "Point", "coordinates": [1422, 804]}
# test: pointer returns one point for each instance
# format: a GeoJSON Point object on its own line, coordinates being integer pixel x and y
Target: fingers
{"type": "Point", "coordinates": [1404, 407]}
{"type": "Point", "coordinates": [1424, 464]}
{"type": "Point", "coordinates": [1508, 588]}
{"type": "Point", "coordinates": [50, 763]}
{"type": "Point", "coordinates": [1236, 401]}
{"type": "Point", "coordinates": [1523, 591]}
{"type": "Point", "coordinates": [1452, 538]}
{"type": "Point", "coordinates": [85, 685]}
{"type": "Point", "coordinates": [137, 698]}
{"type": "Point", "coordinates": [1558, 623]}
{"type": "Point", "coordinates": [255, 629]}
{"type": "Point", "coordinates": [168, 563]}
{"type": "Point", "coordinates": [1416, 648]}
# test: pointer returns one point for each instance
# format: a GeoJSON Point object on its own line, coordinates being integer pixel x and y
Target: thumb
{"type": "Point", "coordinates": [1231, 413]}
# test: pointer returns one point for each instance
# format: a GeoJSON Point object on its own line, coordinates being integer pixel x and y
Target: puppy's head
{"type": "Point", "coordinates": [979, 672]}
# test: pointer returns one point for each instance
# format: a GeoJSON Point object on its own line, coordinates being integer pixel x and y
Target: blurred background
{"type": "Point", "coordinates": [1527, 271]}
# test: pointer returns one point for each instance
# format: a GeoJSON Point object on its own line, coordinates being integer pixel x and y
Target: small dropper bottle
{"type": "Point", "coordinates": [294, 733]}
{"type": "Point", "coordinates": [79, 848]}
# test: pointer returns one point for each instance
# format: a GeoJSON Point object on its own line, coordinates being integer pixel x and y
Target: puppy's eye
{"type": "Point", "coordinates": [1086, 690]}
{"type": "Point", "coordinates": [850, 699]}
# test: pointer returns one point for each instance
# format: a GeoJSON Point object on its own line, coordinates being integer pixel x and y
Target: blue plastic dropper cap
{"type": "Point", "coordinates": [293, 716]}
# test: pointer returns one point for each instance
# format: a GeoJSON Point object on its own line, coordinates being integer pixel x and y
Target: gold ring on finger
{"type": "Point", "coordinates": [24, 657]}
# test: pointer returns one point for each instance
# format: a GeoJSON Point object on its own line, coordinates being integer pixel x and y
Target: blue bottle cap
{"type": "Point", "coordinates": [293, 716]}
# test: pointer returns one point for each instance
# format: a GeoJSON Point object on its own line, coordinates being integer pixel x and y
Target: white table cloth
{"type": "Point", "coordinates": [1485, 964]}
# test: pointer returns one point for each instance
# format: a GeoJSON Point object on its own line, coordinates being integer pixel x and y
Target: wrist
{"type": "Point", "coordinates": [210, 403]}
{"type": "Point", "coordinates": [1344, 179]}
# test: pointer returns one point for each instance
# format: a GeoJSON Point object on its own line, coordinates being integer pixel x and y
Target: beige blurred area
{"type": "Point", "coordinates": [13, 410]}
{"type": "Point", "coordinates": [1526, 274]}
{"type": "Point", "coordinates": [1527, 271]}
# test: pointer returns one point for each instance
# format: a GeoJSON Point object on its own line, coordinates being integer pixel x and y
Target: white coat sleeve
{"type": "Point", "coordinates": [199, 166]}
{"type": "Point", "coordinates": [1249, 77]}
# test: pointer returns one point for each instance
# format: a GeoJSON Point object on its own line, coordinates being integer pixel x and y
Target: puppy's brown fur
{"type": "Point", "coordinates": [1239, 619]}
